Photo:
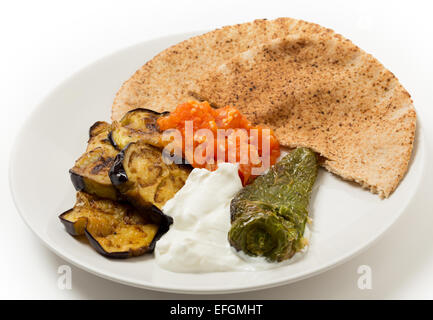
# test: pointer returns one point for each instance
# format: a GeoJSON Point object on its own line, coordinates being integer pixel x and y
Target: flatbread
{"type": "Point", "coordinates": [319, 90]}
{"type": "Point", "coordinates": [165, 81]}
{"type": "Point", "coordinates": [333, 97]}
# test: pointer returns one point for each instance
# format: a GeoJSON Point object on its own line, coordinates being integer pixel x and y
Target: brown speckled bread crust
{"type": "Point", "coordinates": [165, 81]}
{"type": "Point", "coordinates": [321, 91]}
{"type": "Point", "coordinates": [313, 87]}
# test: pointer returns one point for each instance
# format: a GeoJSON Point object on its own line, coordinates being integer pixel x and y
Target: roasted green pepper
{"type": "Point", "coordinates": [269, 216]}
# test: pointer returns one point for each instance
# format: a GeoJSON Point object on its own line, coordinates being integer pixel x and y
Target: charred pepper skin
{"type": "Point", "coordinates": [268, 216]}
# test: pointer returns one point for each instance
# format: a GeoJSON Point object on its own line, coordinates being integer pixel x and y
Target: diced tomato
{"type": "Point", "coordinates": [241, 142]}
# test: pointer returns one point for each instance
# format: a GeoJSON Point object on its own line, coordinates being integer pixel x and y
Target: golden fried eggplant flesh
{"type": "Point", "coordinates": [98, 135]}
{"type": "Point", "coordinates": [115, 230]}
{"type": "Point", "coordinates": [143, 177]}
{"type": "Point", "coordinates": [137, 124]}
{"type": "Point", "coordinates": [90, 172]}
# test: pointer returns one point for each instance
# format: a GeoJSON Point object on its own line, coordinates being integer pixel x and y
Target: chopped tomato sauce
{"type": "Point", "coordinates": [229, 137]}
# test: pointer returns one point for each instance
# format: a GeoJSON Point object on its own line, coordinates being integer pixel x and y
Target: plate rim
{"type": "Point", "coordinates": [177, 289]}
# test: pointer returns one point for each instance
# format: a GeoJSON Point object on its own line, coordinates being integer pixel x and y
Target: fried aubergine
{"type": "Point", "coordinates": [115, 230]}
{"type": "Point", "coordinates": [98, 135]}
{"type": "Point", "coordinates": [90, 172]}
{"type": "Point", "coordinates": [269, 216]}
{"type": "Point", "coordinates": [137, 124]}
{"type": "Point", "coordinates": [143, 177]}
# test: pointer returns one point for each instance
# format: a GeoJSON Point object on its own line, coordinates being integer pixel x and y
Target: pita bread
{"type": "Point", "coordinates": [337, 99]}
{"type": "Point", "coordinates": [165, 81]}
{"type": "Point", "coordinates": [318, 90]}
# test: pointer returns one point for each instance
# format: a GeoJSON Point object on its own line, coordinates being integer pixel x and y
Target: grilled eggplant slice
{"type": "Point", "coordinates": [115, 230]}
{"type": "Point", "coordinates": [141, 175]}
{"type": "Point", "coordinates": [137, 124]}
{"type": "Point", "coordinates": [98, 135]}
{"type": "Point", "coordinates": [90, 172]}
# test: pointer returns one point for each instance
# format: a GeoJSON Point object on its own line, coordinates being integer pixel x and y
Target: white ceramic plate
{"type": "Point", "coordinates": [346, 218]}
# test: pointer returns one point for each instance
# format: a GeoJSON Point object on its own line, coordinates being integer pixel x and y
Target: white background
{"type": "Point", "coordinates": [43, 42]}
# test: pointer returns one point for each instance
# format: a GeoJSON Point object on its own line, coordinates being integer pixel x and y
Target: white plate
{"type": "Point", "coordinates": [346, 218]}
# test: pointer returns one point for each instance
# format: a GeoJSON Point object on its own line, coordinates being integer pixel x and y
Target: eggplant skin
{"type": "Point", "coordinates": [77, 181]}
{"type": "Point", "coordinates": [117, 172]}
{"type": "Point", "coordinates": [164, 221]}
{"type": "Point", "coordinates": [141, 176]}
{"type": "Point", "coordinates": [69, 225]}
{"type": "Point", "coordinates": [90, 174]}
{"type": "Point", "coordinates": [115, 230]}
{"type": "Point", "coordinates": [90, 171]}
{"type": "Point", "coordinates": [113, 255]}
{"type": "Point", "coordinates": [97, 128]}
{"type": "Point", "coordinates": [137, 124]}
{"type": "Point", "coordinates": [98, 136]}
{"type": "Point", "coordinates": [156, 113]}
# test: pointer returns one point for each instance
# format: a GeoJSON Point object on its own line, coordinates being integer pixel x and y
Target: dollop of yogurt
{"type": "Point", "coordinates": [197, 240]}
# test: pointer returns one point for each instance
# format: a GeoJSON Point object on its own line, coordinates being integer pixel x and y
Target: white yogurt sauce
{"type": "Point", "coordinates": [197, 240]}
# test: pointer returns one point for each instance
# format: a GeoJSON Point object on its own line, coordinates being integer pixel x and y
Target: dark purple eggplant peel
{"type": "Point", "coordinates": [115, 230]}
{"type": "Point", "coordinates": [142, 177]}
{"type": "Point", "coordinates": [90, 172]}
{"type": "Point", "coordinates": [137, 124]}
